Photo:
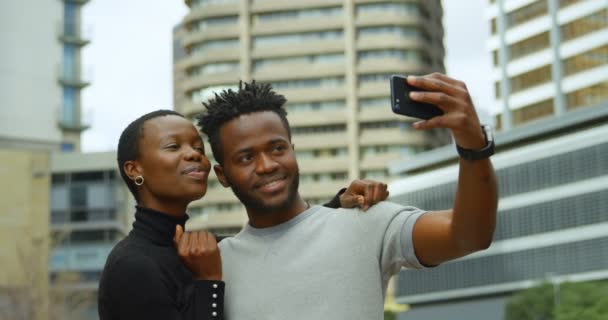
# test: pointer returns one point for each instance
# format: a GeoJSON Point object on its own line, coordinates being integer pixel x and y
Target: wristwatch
{"type": "Point", "coordinates": [482, 153]}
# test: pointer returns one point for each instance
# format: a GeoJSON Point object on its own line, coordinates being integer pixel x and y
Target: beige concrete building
{"type": "Point", "coordinates": [91, 210]}
{"type": "Point", "coordinates": [332, 60]}
{"type": "Point", "coordinates": [550, 56]}
{"type": "Point", "coordinates": [24, 229]}
{"type": "Point", "coordinates": [41, 75]}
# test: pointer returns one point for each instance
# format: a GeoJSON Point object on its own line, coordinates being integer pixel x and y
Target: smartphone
{"type": "Point", "coordinates": [402, 104]}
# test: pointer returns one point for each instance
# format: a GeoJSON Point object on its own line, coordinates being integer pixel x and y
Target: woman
{"type": "Point", "coordinates": [161, 158]}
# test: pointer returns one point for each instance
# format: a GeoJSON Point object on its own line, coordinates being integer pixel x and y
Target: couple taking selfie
{"type": "Point", "coordinates": [291, 260]}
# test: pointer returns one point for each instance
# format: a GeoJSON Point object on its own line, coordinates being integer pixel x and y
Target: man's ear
{"type": "Point", "coordinates": [132, 169]}
{"type": "Point", "coordinates": [219, 172]}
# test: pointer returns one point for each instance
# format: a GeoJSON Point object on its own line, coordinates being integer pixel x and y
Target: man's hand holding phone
{"type": "Point", "coordinates": [453, 98]}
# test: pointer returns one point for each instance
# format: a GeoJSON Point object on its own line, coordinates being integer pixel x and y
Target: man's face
{"type": "Point", "coordinates": [259, 162]}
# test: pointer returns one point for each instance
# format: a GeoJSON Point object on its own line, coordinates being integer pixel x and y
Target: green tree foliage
{"type": "Point", "coordinates": [566, 301]}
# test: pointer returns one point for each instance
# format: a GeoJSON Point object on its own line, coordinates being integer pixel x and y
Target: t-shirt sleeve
{"type": "Point", "coordinates": [135, 289]}
{"type": "Point", "coordinates": [390, 228]}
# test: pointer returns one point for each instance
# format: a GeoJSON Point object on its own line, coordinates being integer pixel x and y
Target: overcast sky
{"type": "Point", "coordinates": [129, 60]}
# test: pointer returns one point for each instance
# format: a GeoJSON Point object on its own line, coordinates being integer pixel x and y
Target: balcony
{"type": "Point", "coordinates": [71, 77]}
{"type": "Point", "coordinates": [71, 33]}
{"type": "Point", "coordinates": [71, 122]}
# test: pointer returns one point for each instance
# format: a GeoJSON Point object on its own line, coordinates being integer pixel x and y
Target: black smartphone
{"type": "Point", "coordinates": [402, 104]}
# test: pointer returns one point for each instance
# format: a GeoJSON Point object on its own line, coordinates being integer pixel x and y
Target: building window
{"type": "Point", "coordinates": [526, 13]}
{"type": "Point", "coordinates": [309, 83]}
{"type": "Point", "coordinates": [322, 153]}
{"type": "Point", "coordinates": [586, 60]}
{"type": "Point", "coordinates": [528, 46]}
{"type": "Point", "coordinates": [323, 177]}
{"type": "Point", "coordinates": [296, 38]}
{"type": "Point", "coordinates": [211, 45]}
{"type": "Point", "coordinates": [533, 112]}
{"type": "Point", "coordinates": [213, 68]}
{"type": "Point", "coordinates": [207, 23]}
{"type": "Point", "coordinates": [70, 18]}
{"type": "Point", "coordinates": [374, 102]}
{"type": "Point", "coordinates": [67, 147]}
{"type": "Point", "coordinates": [316, 106]}
{"type": "Point", "coordinates": [406, 32]}
{"type": "Point", "coordinates": [309, 60]}
{"type": "Point", "coordinates": [69, 106]}
{"type": "Point", "coordinates": [374, 77]}
{"type": "Point", "coordinates": [378, 174]}
{"type": "Point", "coordinates": [585, 25]}
{"type": "Point", "coordinates": [404, 9]}
{"type": "Point", "coordinates": [411, 56]}
{"type": "Point", "coordinates": [588, 96]}
{"type": "Point", "coordinates": [531, 78]}
{"type": "Point", "coordinates": [297, 14]}
{"type": "Point", "coordinates": [204, 3]}
{"type": "Point", "coordinates": [318, 129]}
{"type": "Point", "coordinates": [565, 3]}
{"type": "Point", "coordinates": [70, 70]}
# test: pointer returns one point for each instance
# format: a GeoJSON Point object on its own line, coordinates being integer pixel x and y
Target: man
{"type": "Point", "coordinates": [293, 261]}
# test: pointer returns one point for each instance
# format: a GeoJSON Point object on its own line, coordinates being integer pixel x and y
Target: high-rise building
{"type": "Point", "coordinates": [91, 210]}
{"type": "Point", "coordinates": [550, 56]}
{"type": "Point", "coordinates": [332, 60]}
{"type": "Point", "coordinates": [552, 217]}
{"type": "Point", "coordinates": [41, 78]}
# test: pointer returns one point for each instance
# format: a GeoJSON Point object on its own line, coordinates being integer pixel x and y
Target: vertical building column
{"type": "Point", "coordinates": [245, 39]}
{"type": "Point", "coordinates": [352, 123]}
{"type": "Point", "coordinates": [505, 85]}
{"type": "Point", "coordinates": [556, 67]}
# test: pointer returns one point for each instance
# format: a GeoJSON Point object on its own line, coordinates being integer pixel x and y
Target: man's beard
{"type": "Point", "coordinates": [254, 203]}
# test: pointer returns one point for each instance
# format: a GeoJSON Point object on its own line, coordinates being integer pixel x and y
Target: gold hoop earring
{"type": "Point", "coordinates": [139, 180]}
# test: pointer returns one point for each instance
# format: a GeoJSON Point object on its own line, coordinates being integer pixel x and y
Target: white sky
{"type": "Point", "coordinates": [129, 60]}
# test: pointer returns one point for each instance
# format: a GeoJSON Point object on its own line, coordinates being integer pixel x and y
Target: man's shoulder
{"type": "Point", "coordinates": [380, 207]}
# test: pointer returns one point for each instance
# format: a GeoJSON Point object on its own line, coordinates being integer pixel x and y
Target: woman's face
{"type": "Point", "coordinates": [172, 161]}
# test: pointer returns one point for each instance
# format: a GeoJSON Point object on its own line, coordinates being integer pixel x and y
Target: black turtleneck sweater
{"type": "Point", "coordinates": [144, 278]}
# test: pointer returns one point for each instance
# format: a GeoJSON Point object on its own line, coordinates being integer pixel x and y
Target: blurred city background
{"type": "Point", "coordinates": [74, 73]}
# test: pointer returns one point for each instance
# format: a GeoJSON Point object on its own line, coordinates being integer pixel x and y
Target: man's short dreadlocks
{"type": "Point", "coordinates": [230, 104]}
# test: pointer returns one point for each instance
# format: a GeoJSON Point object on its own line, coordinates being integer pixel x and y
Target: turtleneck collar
{"type": "Point", "coordinates": [156, 226]}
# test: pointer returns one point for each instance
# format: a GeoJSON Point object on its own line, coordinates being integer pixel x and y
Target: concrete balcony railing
{"type": "Point", "coordinates": [371, 137]}
{"type": "Point", "coordinates": [213, 10]}
{"type": "Point", "coordinates": [317, 118]}
{"type": "Point", "coordinates": [320, 140]}
{"type": "Point", "coordinates": [272, 5]}
{"type": "Point", "coordinates": [299, 49]}
{"type": "Point", "coordinates": [279, 72]}
{"type": "Point", "coordinates": [316, 93]}
{"type": "Point", "coordinates": [211, 33]}
{"type": "Point", "coordinates": [297, 25]}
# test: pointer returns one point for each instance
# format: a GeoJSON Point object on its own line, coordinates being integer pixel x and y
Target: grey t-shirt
{"type": "Point", "coordinates": [323, 264]}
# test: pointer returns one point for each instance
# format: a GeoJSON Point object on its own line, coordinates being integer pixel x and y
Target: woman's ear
{"type": "Point", "coordinates": [132, 169]}
{"type": "Point", "coordinates": [219, 172]}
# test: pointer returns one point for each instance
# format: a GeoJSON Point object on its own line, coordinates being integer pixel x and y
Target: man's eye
{"type": "Point", "coordinates": [246, 158]}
